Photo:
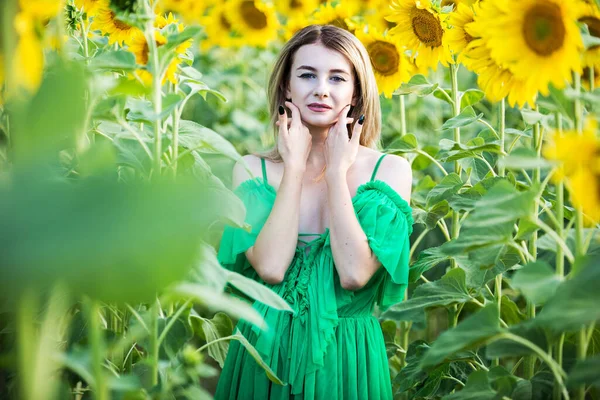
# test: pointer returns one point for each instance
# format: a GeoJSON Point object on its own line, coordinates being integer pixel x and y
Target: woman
{"type": "Point", "coordinates": [358, 220]}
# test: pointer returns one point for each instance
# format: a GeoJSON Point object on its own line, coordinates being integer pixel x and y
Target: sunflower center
{"type": "Point", "coordinates": [255, 18]}
{"type": "Point", "coordinates": [144, 54]}
{"type": "Point", "coordinates": [543, 28]}
{"type": "Point", "coordinates": [339, 22]}
{"type": "Point", "coordinates": [427, 27]}
{"type": "Point", "coordinates": [593, 25]}
{"type": "Point", "coordinates": [119, 24]}
{"type": "Point", "coordinates": [384, 57]}
{"type": "Point", "coordinates": [295, 4]}
{"type": "Point", "coordinates": [224, 23]}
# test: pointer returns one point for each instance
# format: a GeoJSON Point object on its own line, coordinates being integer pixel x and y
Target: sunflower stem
{"type": "Point", "coordinates": [402, 116]}
{"type": "Point", "coordinates": [156, 87]}
{"type": "Point", "coordinates": [579, 244]}
{"type": "Point", "coordinates": [452, 311]}
{"type": "Point", "coordinates": [592, 77]}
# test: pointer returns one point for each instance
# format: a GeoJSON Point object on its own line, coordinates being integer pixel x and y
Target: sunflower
{"type": "Point", "coordinates": [458, 37]}
{"type": "Point", "coordinates": [390, 64]}
{"type": "Point", "coordinates": [40, 9]}
{"type": "Point", "coordinates": [328, 14]}
{"type": "Point", "coordinates": [376, 16]}
{"type": "Point", "coordinates": [139, 47]}
{"type": "Point", "coordinates": [218, 29]}
{"type": "Point", "coordinates": [496, 81]}
{"type": "Point", "coordinates": [255, 21]}
{"type": "Point", "coordinates": [538, 40]}
{"type": "Point", "coordinates": [190, 10]}
{"type": "Point", "coordinates": [28, 60]}
{"type": "Point", "coordinates": [90, 7]}
{"type": "Point", "coordinates": [590, 15]}
{"type": "Point", "coordinates": [420, 28]}
{"type": "Point", "coordinates": [118, 31]}
{"type": "Point", "coordinates": [579, 157]}
{"type": "Point", "coordinates": [294, 8]}
{"type": "Point", "coordinates": [586, 77]}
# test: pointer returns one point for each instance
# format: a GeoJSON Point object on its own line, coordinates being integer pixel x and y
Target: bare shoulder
{"type": "Point", "coordinates": [396, 172]}
{"type": "Point", "coordinates": [247, 167]}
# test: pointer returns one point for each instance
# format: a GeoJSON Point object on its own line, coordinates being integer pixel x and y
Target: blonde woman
{"type": "Point", "coordinates": [330, 221]}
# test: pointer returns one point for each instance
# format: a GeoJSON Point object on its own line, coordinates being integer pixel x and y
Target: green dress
{"type": "Point", "coordinates": [331, 347]}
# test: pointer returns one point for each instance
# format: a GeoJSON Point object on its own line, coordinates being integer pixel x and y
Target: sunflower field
{"type": "Point", "coordinates": [120, 121]}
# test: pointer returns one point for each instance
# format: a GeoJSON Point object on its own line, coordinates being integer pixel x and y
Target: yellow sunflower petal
{"type": "Point", "coordinates": [390, 65]}
{"type": "Point", "coordinates": [255, 21]}
{"type": "Point", "coordinates": [421, 29]}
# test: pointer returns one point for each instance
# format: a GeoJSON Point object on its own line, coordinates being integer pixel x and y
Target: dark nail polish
{"type": "Point", "coordinates": [281, 110]}
{"type": "Point", "coordinates": [361, 120]}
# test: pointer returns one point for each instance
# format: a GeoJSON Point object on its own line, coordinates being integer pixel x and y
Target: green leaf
{"type": "Point", "coordinates": [439, 94]}
{"type": "Point", "coordinates": [477, 388]}
{"type": "Point", "coordinates": [143, 110]}
{"type": "Point", "coordinates": [452, 151]}
{"type": "Point", "coordinates": [537, 281]}
{"type": "Point", "coordinates": [114, 231]}
{"type": "Point", "coordinates": [219, 301]}
{"type": "Point", "coordinates": [428, 259]}
{"type": "Point", "coordinates": [502, 204]}
{"type": "Point", "coordinates": [202, 89]}
{"type": "Point", "coordinates": [509, 348]}
{"type": "Point", "coordinates": [466, 117]}
{"type": "Point", "coordinates": [449, 186]}
{"type": "Point", "coordinates": [471, 332]}
{"type": "Point", "coordinates": [205, 140]}
{"type": "Point", "coordinates": [114, 61]}
{"type": "Point", "coordinates": [524, 158]}
{"type": "Point", "coordinates": [450, 289]}
{"type": "Point", "coordinates": [509, 312]}
{"type": "Point", "coordinates": [257, 291]}
{"type": "Point", "coordinates": [211, 329]}
{"type": "Point", "coordinates": [418, 85]}
{"type": "Point", "coordinates": [585, 372]}
{"type": "Point", "coordinates": [531, 117]}
{"type": "Point", "coordinates": [254, 353]}
{"type": "Point", "coordinates": [470, 97]}
{"type": "Point", "coordinates": [575, 302]}
{"type": "Point", "coordinates": [526, 133]}
{"type": "Point", "coordinates": [404, 144]}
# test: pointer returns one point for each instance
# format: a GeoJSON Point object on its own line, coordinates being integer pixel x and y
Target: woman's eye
{"type": "Point", "coordinates": [335, 78]}
{"type": "Point", "coordinates": [339, 79]}
{"type": "Point", "coordinates": [306, 75]}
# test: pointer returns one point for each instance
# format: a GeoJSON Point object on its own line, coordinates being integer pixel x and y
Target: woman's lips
{"type": "Point", "coordinates": [318, 108]}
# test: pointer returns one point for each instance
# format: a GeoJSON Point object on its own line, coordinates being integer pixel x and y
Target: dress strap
{"type": "Point", "coordinates": [377, 166]}
{"type": "Point", "coordinates": [264, 170]}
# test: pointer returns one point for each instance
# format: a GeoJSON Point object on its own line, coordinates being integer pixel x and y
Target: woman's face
{"type": "Point", "coordinates": [321, 84]}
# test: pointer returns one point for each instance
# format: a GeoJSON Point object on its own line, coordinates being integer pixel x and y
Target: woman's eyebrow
{"type": "Point", "coordinates": [308, 67]}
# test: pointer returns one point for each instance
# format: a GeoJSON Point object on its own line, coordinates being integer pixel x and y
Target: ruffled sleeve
{"type": "Point", "coordinates": [386, 219]}
{"type": "Point", "coordinates": [258, 199]}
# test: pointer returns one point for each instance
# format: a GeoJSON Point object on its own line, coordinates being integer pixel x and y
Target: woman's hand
{"type": "Point", "coordinates": [340, 152]}
{"type": "Point", "coordinates": [294, 140]}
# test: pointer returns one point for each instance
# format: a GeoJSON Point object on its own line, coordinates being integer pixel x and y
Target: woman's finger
{"type": "Point", "coordinates": [357, 130]}
{"type": "Point", "coordinates": [295, 114]}
{"type": "Point", "coordinates": [282, 122]}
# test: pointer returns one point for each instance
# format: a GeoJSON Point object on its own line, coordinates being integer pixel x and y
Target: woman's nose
{"type": "Point", "coordinates": [321, 89]}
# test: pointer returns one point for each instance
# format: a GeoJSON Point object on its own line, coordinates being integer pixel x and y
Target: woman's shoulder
{"type": "Point", "coordinates": [247, 167]}
{"type": "Point", "coordinates": [394, 170]}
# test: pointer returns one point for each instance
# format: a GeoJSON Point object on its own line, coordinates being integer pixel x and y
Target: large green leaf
{"type": "Point", "coordinates": [450, 289]}
{"type": "Point", "coordinates": [257, 291]}
{"type": "Point", "coordinates": [114, 61]}
{"type": "Point", "coordinates": [585, 372]}
{"type": "Point", "coordinates": [449, 186]}
{"type": "Point", "coordinates": [537, 281]}
{"type": "Point", "coordinates": [500, 205]}
{"type": "Point", "coordinates": [428, 259]}
{"type": "Point", "coordinates": [477, 388]}
{"type": "Point", "coordinates": [470, 97]}
{"type": "Point", "coordinates": [466, 117]}
{"type": "Point", "coordinates": [210, 330]}
{"type": "Point", "coordinates": [418, 85]}
{"type": "Point", "coordinates": [524, 158]}
{"type": "Point", "coordinates": [575, 302]}
{"type": "Point", "coordinates": [202, 139]}
{"type": "Point", "coordinates": [471, 332]}
{"type": "Point", "coordinates": [404, 144]}
{"type": "Point", "coordinates": [100, 235]}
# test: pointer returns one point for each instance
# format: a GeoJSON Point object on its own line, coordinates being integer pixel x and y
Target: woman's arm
{"type": "Point", "coordinates": [276, 243]}
{"type": "Point", "coordinates": [354, 260]}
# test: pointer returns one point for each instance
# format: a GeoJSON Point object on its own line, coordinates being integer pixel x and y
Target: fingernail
{"type": "Point", "coordinates": [281, 110]}
{"type": "Point", "coordinates": [361, 119]}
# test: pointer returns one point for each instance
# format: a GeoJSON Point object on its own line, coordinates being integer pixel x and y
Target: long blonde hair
{"type": "Point", "coordinates": [365, 89]}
